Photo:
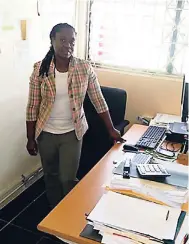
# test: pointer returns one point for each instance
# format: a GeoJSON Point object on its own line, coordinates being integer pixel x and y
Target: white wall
{"type": "Point", "coordinates": [15, 67]}
{"type": "Point", "coordinates": [16, 63]}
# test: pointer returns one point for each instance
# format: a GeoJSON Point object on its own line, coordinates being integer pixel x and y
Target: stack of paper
{"type": "Point", "coordinates": [122, 219]}
{"type": "Point", "coordinates": [164, 119]}
{"type": "Point", "coordinates": [165, 193]}
{"type": "Point", "coordinates": [170, 195]}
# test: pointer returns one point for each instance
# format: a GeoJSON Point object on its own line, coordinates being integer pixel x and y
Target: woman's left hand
{"type": "Point", "coordinates": [116, 135]}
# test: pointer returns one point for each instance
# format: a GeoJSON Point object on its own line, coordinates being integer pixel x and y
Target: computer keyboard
{"type": "Point", "coordinates": [141, 158]}
{"type": "Point", "coordinates": [152, 170]}
{"type": "Point", "coordinates": [151, 137]}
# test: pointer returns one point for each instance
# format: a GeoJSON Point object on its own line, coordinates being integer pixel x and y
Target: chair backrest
{"type": "Point", "coordinates": [116, 100]}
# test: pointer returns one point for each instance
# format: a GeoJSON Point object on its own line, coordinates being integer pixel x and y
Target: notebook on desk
{"type": "Point", "coordinates": [91, 233]}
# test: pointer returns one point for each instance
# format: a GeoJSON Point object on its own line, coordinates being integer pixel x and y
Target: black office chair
{"type": "Point", "coordinates": [96, 142]}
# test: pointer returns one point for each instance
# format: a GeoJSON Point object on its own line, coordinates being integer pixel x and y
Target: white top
{"type": "Point", "coordinates": [60, 120]}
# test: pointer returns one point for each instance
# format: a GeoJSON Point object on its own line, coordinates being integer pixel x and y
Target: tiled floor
{"type": "Point", "coordinates": [19, 219]}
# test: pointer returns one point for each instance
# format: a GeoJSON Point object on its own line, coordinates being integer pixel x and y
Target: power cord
{"type": "Point", "coordinates": [172, 145]}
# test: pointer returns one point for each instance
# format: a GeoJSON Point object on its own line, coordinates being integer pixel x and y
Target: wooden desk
{"type": "Point", "coordinates": [67, 220]}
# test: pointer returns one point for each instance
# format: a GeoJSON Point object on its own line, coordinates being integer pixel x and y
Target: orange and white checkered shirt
{"type": "Point", "coordinates": [42, 91]}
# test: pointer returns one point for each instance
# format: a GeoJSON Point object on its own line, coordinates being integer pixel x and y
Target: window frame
{"type": "Point", "coordinates": [172, 49]}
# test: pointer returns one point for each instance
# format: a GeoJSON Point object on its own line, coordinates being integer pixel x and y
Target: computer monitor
{"type": "Point", "coordinates": [184, 99]}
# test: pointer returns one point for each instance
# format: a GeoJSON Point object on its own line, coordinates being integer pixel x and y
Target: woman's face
{"type": "Point", "coordinates": [64, 43]}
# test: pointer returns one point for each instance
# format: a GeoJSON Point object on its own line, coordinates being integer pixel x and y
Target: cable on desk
{"type": "Point", "coordinates": [162, 157]}
{"type": "Point", "coordinates": [172, 144]}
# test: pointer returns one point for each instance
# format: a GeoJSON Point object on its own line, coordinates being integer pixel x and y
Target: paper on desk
{"type": "Point", "coordinates": [180, 168]}
{"type": "Point", "coordinates": [170, 195]}
{"type": "Point", "coordinates": [122, 156]}
{"type": "Point", "coordinates": [183, 231]}
{"type": "Point", "coordinates": [126, 213]}
{"type": "Point", "coordinates": [112, 239]}
{"type": "Point", "coordinates": [176, 169]}
{"type": "Point", "coordinates": [164, 119]}
{"type": "Point", "coordinates": [132, 235]}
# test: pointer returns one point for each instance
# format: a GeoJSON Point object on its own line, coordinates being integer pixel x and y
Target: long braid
{"type": "Point", "coordinates": [45, 64]}
{"type": "Point", "coordinates": [44, 69]}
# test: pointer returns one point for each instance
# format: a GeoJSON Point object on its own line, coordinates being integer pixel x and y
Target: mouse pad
{"type": "Point", "coordinates": [176, 179]}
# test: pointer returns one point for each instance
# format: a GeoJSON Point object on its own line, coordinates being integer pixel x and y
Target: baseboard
{"type": "Point", "coordinates": [25, 183]}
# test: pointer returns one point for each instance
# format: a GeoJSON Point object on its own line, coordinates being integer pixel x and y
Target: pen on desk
{"type": "Point", "coordinates": [185, 239]}
{"type": "Point", "coordinates": [115, 234]}
{"type": "Point", "coordinates": [167, 216]}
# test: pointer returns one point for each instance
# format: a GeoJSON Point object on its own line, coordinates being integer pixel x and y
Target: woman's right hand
{"type": "Point", "coordinates": [32, 147]}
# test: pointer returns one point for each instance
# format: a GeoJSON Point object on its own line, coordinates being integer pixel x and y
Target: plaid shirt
{"type": "Point", "coordinates": [42, 91]}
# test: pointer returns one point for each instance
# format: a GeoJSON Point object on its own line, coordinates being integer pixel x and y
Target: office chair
{"type": "Point", "coordinates": [96, 142]}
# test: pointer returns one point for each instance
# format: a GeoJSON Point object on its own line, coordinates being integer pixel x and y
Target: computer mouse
{"type": "Point", "coordinates": [130, 148]}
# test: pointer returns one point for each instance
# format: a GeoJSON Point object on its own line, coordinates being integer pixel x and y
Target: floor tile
{"type": "Point", "coordinates": [15, 235]}
{"type": "Point", "coordinates": [2, 224]}
{"type": "Point", "coordinates": [22, 201]}
{"type": "Point", "coordinates": [45, 240]}
{"type": "Point", "coordinates": [33, 215]}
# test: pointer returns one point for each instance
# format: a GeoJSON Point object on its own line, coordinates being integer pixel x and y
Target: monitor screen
{"type": "Point", "coordinates": [184, 98]}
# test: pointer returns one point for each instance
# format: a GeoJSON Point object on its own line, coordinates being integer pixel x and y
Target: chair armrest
{"type": "Point", "coordinates": [122, 125]}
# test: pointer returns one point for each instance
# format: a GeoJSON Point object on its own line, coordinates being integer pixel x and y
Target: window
{"type": "Point", "coordinates": [150, 35]}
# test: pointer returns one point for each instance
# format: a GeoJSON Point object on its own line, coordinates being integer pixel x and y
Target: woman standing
{"type": "Point", "coordinates": [55, 115]}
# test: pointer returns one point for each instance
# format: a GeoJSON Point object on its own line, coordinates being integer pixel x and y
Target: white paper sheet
{"type": "Point", "coordinates": [180, 168]}
{"type": "Point", "coordinates": [132, 235]}
{"type": "Point", "coordinates": [126, 213]}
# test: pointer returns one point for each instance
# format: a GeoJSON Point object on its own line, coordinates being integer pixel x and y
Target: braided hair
{"type": "Point", "coordinates": [45, 64]}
